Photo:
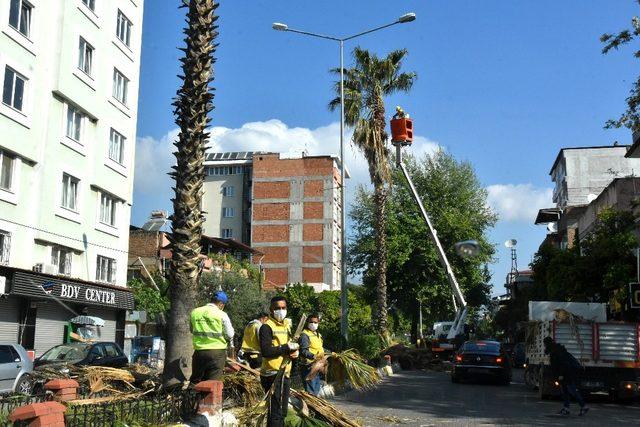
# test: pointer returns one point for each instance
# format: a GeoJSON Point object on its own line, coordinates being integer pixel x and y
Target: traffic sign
{"type": "Point", "coordinates": [634, 294]}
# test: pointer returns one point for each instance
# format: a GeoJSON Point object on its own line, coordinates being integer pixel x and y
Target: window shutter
{"type": "Point", "coordinates": [112, 273]}
{"type": "Point", "coordinates": [67, 262]}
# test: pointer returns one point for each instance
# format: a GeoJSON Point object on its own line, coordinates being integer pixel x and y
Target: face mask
{"type": "Point", "coordinates": [280, 314]}
{"type": "Point", "coordinates": [313, 327]}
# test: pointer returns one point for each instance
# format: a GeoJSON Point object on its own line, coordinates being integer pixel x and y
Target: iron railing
{"type": "Point", "coordinates": [9, 403]}
{"type": "Point", "coordinates": [147, 410]}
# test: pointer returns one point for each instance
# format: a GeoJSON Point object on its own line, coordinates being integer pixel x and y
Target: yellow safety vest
{"type": "Point", "coordinates": [207, 329]}
{"type": "Point", "coordinates": [250, 339]}
{"type": "Point", "coordinates": [281, 336]}
{"type": "Point", "coordinates": [315, 345]}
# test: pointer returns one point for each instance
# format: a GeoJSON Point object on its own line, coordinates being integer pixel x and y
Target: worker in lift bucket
{"type": "Point", "coordinates": [565, 368]}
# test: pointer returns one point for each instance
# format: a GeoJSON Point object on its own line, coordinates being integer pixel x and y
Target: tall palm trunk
{"type": "Point", "coordinates": [380, 198]}
{"type": "Point", "coordinates": [192, 107]}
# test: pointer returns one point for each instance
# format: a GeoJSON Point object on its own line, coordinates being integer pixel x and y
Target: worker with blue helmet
{"type": "Point", "coordinates": [212, 334]}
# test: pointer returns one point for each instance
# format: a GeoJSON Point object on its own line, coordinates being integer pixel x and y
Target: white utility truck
{"type": "Point", "coordinates": [608, 351]}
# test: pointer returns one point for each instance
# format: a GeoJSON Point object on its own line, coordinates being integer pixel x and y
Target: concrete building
{"type": "Point", "coordinates": [70, 71]}
{"type": "Point", "coordinates": [581, 173]}
{"type": "Point", "coordinates": [284, 205]}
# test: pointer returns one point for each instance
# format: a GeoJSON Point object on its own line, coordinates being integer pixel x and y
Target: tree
{"type": "Point", "coordinates": [365, 86]}
{"type": "Point", "coordinates": [631, 117]}
{"type": "Point", "coordinates": [193, 104]}
{"type": "Point", "coordinates": [456, 203]}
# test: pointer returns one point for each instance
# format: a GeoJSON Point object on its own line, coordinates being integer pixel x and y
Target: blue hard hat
{"type": "Point", "coordinates": [220, 296]}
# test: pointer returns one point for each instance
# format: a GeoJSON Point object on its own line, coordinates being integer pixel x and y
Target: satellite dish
{"type": "Point", "coordinates": [511, 243]}
{"type": "Point", "coordinates": [552, 227]}
{"type": "Point", "coordinates": [591, 197]}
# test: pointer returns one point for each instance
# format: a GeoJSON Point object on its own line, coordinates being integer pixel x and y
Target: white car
{"type": "Point", "coordinates": [15, 369]}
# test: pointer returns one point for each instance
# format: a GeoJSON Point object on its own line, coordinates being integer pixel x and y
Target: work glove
{"type": "Point", "coordinates": [293, 346]}
{"type": "Point", "coordinates": [295, 354]}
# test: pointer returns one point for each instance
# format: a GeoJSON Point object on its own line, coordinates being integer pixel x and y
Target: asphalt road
{"type": "Point", "coordinates": [418, 398]}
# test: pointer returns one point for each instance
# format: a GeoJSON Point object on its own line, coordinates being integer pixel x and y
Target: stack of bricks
{"type": "Point", "coordinates": [63, 390]}
{"type": "Point", "coordinates": [46, 414]}
{"type": "Point", "coordinates": [211, 402]}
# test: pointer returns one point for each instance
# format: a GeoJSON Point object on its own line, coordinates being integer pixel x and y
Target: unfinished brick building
{"type": "Point", "coordinates": [291, 208]}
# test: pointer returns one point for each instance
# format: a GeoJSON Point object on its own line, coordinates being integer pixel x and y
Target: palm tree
{"type": "Point", "coordinates": [365, 86]}
{"type": "Point", "coordinates": [193, 104]}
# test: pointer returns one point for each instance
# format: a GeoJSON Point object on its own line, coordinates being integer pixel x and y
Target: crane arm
{"type": "Point", "coordinates": [461, 307]}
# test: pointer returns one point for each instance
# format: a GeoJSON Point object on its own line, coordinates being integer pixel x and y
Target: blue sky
{"type": "Point", "coordinates": [503, 84]}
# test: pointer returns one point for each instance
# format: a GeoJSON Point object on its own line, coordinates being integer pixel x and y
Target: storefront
{"type": "Point", "coordinates": [36, 308]}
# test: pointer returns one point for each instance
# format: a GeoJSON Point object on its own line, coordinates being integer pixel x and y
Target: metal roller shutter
{"type": "Point", "coordinates": [51, 319]}
{"type": "Point", "coordinates": [108, 331]}
{"type": "Point", "coordinates": [9, 322]}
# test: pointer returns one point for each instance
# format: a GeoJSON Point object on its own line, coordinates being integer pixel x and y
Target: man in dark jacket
{"type": "Point", "coordinates": [565, 368]}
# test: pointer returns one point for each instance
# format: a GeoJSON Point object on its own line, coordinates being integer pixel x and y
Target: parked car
{"type": "Point", "coordinates": [519, 355]}
{"type": "Point", "coordinates": [15, 369]}
{"type": "Point", "coordinates": [481, 358]}
{"type": "Point", "coordinates": [83, 354]}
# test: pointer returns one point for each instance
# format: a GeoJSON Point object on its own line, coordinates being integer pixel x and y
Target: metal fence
{"type": "Point", "coordinates": [9, 403]}
{"type": "Point", "coordinates": [146, 411]}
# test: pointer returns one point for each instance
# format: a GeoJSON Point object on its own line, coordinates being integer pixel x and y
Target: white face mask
{"type": "Point", "coordinates": [280, 314]}
{"type": "Point", "coordinates": [313, 327]}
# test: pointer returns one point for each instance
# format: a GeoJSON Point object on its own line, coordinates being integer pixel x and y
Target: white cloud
{"type": "Point", "coordinates": [154, 157]}
{"type": "Point", "coordinates": [518, 202]}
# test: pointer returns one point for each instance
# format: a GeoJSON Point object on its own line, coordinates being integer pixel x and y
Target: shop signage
{"type": "Point", "coordinates": [44, 286]}
{"type": "Point", "coordinates": [634, 294]}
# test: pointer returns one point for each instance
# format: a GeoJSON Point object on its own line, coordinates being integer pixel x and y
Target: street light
{"type": "Point", "coordinates": [278, 26]}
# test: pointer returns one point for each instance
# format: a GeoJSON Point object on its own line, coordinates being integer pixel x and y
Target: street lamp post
{"type": "Point", "coordinates": [344, 302]}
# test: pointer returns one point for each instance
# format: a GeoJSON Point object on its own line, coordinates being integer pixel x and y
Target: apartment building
{"type": "Point", "coordinates": [286, 206]}
{"type": "Point", "coordinates": [70, 72]}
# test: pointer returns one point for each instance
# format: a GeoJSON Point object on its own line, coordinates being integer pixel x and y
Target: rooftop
{"type": "Point", "coordinates": [597, 147]}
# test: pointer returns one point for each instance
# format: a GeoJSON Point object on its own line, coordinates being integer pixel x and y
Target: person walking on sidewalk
{"type": "Point", "coordinates": [212, 334]}
{"type": "Point", "coordinates": [565, 368]}
{"type": "Point", "coordinates": [311, 349]}
{"type": "Point", "coordinates": [275, 344]}
{"type": "Point", "coordinates": [250, 350]}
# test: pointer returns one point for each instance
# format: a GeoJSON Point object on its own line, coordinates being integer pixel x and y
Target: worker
{"type": "Point", "coordinates": [212, 334]}
{"type": "Point", "coordinates": [276, 347]}
{"type": "Point", "coordinates": [565, 368]}
{"type": "Point", "coordinates": [311, 350]}
{"type": "Point", "coordinates": [250, 349]}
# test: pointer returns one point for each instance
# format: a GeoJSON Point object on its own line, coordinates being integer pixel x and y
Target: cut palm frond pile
{"type": "Point", "coordinates": [349, 366]}
{"type": "Point", "coordinates": [243, 387]}
{"type": "Point", "coordinates": [254, 416]}
{"type": "Point", "coordinates": [101, 378]}
{"type": "Point", "coordinates": [297, 419]}
{"type": "Point", "coordinates": [413, 358]}
{"type": "Point", "coordinates": [323, 411]}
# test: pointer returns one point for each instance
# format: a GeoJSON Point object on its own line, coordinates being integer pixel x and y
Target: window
{"type": "Point", "coordinates": [75, 119]}
{"type": "Point", "coordinates": [7, 163]}
{"type": "Point", "coordinates": [20, 16]}
{"type": "Point", "coordinates": [123, 28]}
{"type": "Point", "coordinates": [227, 212]}
{"type": "Point", "coordinates": [61, 258]}
{"type": "Point", "coordinates": [70, 192]}
{"type": "Point", "coordinates": [106, 269]}
{"type": "Point", "coordinates": [227, 233]}
{"type": "Point", "coordinates": [111, 350]}
{"type": "Point", "coordinates": [85, 56]}
{"type": "Point", "coordinates": [120, 86]}
{"type": "Point", "coordinates": [6, 356]}
{"type": "Point", "coordinates": [116, 146]}
{"type": "Point", "coordinates": [13, 89]}
{"type": "Point", "coordinates": [91, 4]}
{"type": "Point", "coordinates": [228, 191]}
{"type": "Point", "coordinates": [5, 247]}
{"type": "Point", "coordinates": [108, 209]}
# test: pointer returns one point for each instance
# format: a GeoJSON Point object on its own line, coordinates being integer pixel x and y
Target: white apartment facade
{"type": "Point", "coordinates": [68, 113]}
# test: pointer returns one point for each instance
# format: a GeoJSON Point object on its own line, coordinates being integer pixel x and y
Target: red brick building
{"type": "Point", "coordinates": [293, 213]}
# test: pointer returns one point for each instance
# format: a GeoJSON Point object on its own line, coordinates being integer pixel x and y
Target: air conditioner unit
{"type": "Point", "coordinates": [45, 268]}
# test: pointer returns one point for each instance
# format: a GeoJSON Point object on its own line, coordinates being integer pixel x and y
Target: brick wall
{"type": "Point", "coordinates": [312, 254]}
{"type": "Point", "coordinates": [270, 165]}
{"type": "Point", "coordinates": [270, 233]}
{"type": "Point", "coordinates": [313, 210]}
{"type": "Point", "coordinates": [276, 276]}
{"type": "Point", "coordinates": [143, 243]}
{"type": "Point", "coordinates": [271, 211]}
{"type": "Point", "coordinates": [275, 254]}
{"type": "Point", "coordinates": [314, 188]}
{"type": "Point", "coordinates": [271, 190]}
{"type": "Point", "coordinates": [312, 232]}
{"type": "Point", "coordinates": [312, 275]}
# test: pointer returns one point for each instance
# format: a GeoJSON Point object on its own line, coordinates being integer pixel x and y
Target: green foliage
{"type": "Point", "coordinates": [456, 203]}
{"type": "Point", "coordinates": [631, 117]}
{"type": "Point", "coordinates": [362, 335]}
{"type": "Point", "coordinates": [594, 268]}
{"type": "Point", "coordinates": [246, 299]}
{"type": "Point", "coordinates": [148, 298]}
